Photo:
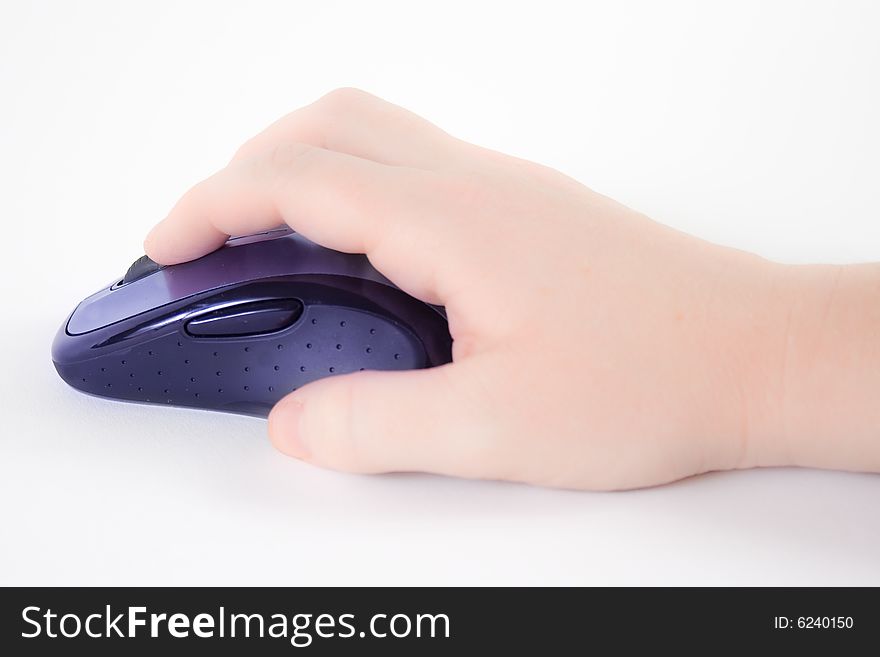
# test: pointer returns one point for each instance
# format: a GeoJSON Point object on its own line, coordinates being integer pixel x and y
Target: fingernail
{"type": "Point", "coordinates": [284, 428]}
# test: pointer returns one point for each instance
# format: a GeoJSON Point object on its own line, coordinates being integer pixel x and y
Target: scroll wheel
{"type": "Point", "coordinates": [246, 319]}
{"type": "Point", "coordinates": [141, 267]}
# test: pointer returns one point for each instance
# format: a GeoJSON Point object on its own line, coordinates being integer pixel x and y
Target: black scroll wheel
{"type": "Point", "coordinates": [141, 267]}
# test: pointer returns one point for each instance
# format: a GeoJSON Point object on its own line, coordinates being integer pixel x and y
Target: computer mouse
{"type": "Point", "coordinates": [241, 327]}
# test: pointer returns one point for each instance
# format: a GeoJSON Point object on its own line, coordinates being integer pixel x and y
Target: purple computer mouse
{"type": "Point", "coordinates": [238, 329]}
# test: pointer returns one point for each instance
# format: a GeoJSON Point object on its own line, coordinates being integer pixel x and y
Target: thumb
{"type": "Point", "coordinates": [387, 421]}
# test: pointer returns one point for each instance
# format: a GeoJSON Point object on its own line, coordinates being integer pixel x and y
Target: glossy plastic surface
{"type": "Point", "coordinates": [239, 328]}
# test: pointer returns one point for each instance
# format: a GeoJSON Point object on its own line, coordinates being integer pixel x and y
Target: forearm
{"type": "Point", "coordinates": [827, 378]}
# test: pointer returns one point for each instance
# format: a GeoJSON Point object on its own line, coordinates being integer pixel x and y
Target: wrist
{"type": "Point", "coordinates": [818, 392]}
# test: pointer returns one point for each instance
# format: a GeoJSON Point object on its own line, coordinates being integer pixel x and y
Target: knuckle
{"type": "Point", "coordinates": [465, 195]}
{"type": "Point", "coordinates": [283, 157]}
{"type": "Point", "coordinates": [283, 161]}
{"type": "Point", "coordinates": [476, 189]}
{"type": "Point", "coordinates": [463, 188]}
{"type": "Point", "coordinates": [332, 426]}
{"type": "Point", "coordinates": [342, 99]}
{"type": "Point", "coordinates": [247, 149]}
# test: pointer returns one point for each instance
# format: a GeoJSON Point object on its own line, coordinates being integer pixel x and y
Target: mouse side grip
{"type": "Point", "coordinates": [249, 374]}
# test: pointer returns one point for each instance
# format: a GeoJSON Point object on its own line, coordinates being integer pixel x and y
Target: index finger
{"type": "Point", "coordinates": [337, 200]}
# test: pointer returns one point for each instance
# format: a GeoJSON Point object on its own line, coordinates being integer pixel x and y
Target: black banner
{"type": "Point", "coordinates": [115, 621]}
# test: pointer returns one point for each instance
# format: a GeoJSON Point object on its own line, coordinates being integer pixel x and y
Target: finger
{"type": "Point", "coordinates": [369, 422]}
{"type": "Point", "coordinates": [355, 122]}
{"type": "Point", "coordinates": [337, 200]}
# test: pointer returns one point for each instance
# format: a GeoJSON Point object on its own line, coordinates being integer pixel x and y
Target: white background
{"type": "Point", "coordinates": [754, 124]}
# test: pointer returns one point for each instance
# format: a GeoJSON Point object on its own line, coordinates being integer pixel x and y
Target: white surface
{"type": "Point", "coordinates": [751, 123]}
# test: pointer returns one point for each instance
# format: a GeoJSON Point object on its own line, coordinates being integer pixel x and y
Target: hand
{"type": "Point", "coordinates": [593, 348]}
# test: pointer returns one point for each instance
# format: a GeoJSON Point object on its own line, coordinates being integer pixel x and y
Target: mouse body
{"type": "Point", "coordinates": [239, 328]}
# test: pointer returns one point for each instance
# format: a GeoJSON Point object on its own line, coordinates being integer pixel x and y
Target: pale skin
{"type": "Point", "coordinates": [593, 348]}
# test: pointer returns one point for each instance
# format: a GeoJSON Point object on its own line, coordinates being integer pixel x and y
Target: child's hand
{"type": "Point", "coordinates": [593, 347]}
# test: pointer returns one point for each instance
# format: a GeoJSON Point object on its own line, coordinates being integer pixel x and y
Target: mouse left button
{"type": "Point", "coordinates": [141, 267]}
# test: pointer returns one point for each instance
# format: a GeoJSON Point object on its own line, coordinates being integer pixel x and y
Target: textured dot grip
{"type": "Point", "coordinates": [248, 375]}
{"type": "Point", "coordinates": [243, 326]}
